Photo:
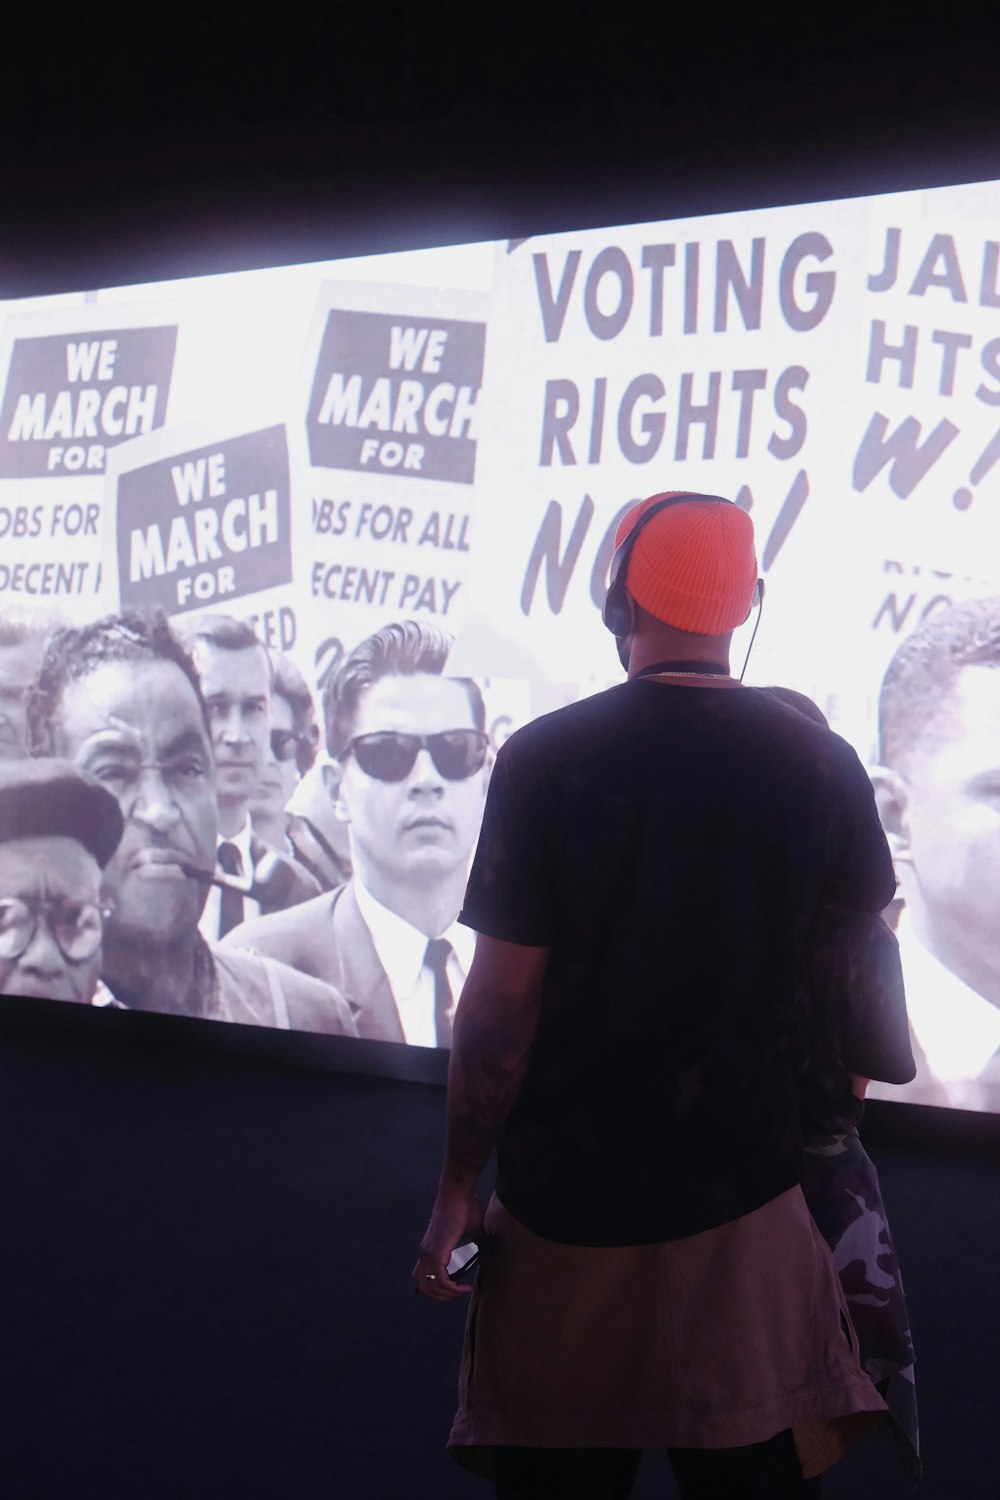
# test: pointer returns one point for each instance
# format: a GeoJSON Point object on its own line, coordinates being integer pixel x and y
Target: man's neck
{"type": "Point", "coordinates": [272, 830]}
{"type": "Point", "coordinates": [145, 977]}
{"type": "Point", "coordinates": [430, 908]}
{"type": "Point", "coordinates": [677, 646]}
{"type": "Point", "coordinates": [232, 818]}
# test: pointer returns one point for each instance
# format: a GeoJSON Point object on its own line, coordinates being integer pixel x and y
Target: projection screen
{"type": "Point", "coordinates": [448, 438]}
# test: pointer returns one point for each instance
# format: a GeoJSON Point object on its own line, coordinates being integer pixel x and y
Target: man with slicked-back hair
{"type": "Point", "coordinates": [412, 761]}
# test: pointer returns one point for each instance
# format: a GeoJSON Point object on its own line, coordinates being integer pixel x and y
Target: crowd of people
{"type": "Point", "coordinates": [221, 867]}
{"type": "Point", "coordinates": [348, 867]}
{"type": "Point", "coordinates": [337, 845]}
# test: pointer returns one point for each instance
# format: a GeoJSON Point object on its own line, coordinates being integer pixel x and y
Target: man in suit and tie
{"type": "Point", "coordinates": [938, 795]}
{"type": "Point", "coordinates": [236, 678]}
{"type": "Point", "coordinates": [414, 764]}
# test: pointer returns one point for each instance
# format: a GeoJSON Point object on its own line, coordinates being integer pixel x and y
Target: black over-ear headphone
{"type": "Point", "coordinates": [616, 612]}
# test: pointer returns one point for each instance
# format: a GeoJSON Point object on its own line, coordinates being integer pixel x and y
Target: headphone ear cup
{"type": "Point", "coordinates": [615, 612]}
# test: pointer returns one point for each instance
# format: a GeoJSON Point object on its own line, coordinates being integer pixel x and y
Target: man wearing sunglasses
{"type": "Point", "coordinates": [236, 682]}
{"type": "Point", "coordinates": [58, 830]}
{"type": "Point", "coordinates": [410, 768]}
{"type": "Point", "coordinates": [290, 827]}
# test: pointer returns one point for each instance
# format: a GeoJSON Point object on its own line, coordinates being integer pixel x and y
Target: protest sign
{"type": "Point", "coordinates": [69, 398]}
{"type": "Point", "coordinates": [757, 356]}
{"type": "Point", "coordinates": [204, 524]}
{"type": "Point", "coordinates": [918, 432]}
{"type": "Point", "coordinates": [392, 379]}
{"type": "Point", "coordinates": [703, 355]}
{"type": "Point", "coordinates": [76, 383]}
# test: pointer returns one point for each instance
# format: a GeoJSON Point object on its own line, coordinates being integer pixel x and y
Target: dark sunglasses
{"type": "Point", "coordinates": [456, 753]}
{"type": "Point", "coordinates": [77, 929]}
{"type": "Point", "coordinates": [284, 744]}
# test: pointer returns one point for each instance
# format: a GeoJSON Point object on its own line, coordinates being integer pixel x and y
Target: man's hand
{"type": "Point", "coordinates": [454, 1220]}
{"type": "Point", "coordinates": [494, 1028]}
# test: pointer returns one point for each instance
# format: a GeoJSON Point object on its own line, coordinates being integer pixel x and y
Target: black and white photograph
{"type": "Point", "coordinates": [365, 534]}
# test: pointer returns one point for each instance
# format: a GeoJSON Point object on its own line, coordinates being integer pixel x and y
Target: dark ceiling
{"type": "Point", "coordinates": [140, 142]}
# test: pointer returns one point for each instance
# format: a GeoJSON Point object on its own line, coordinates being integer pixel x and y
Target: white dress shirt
{"type": "Point", "coordinates": [208, 924]}
{"type": "Point", "coordinates": [401, 949]}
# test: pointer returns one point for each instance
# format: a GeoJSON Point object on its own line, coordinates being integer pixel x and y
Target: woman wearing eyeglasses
{"type": "Point", "coordinates": [58, 829]}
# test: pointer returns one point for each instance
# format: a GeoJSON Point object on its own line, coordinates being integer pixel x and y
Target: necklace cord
{"type": "Point", "coordinates": [760, 611]}
{"type": "Point", "coordinates": [685, 669]}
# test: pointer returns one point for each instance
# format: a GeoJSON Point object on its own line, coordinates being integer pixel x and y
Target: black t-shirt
{"type": "Point", "coordinates": [855, 1009]}
{"type": "Point", "coordinates": [671, 846]}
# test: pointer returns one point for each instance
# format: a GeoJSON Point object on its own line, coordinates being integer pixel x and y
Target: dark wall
{"type": "Point", "coordinates": [204, 1274]}
{"type": "Point", "coordinates": [159, 141]}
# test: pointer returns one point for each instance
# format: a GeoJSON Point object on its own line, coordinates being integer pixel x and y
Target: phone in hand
{"type": "Point", "coordinates": [464, 1260]}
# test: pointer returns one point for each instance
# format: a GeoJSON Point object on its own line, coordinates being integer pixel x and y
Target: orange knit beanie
{"type": "Point", "coordinates": [693, 566]}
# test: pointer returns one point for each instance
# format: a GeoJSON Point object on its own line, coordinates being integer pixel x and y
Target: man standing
{"type": "Point", "coordinates": [235, 674]}
{"type": "Point", "coordinates": [651, 861]}
{"type": "Point", "coordinates": [938, 793]}
{"type": "Point", "coordinates": [413, 752]}
{"type": "Point", "coordinates": [120, 698]}
{"type": "Point", "coordinates": [21, 643]}
{"type": "Point", "coordinates": [58, 830]}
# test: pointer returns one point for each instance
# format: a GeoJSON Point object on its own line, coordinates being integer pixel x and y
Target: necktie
{"type": "Point", "coordinates": [230, 902]}
{"type": "Point", "coordinates": [436, 959]}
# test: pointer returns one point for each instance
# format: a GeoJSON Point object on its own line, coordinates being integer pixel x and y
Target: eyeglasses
{"type": "Point", "coordinates": [284, 744]}
{"type": "Point", "coordinates": [77, 928]}
{"type": "Point", "coordinates": [287, 746]}
{"type": "Point", "coordinates": [456, 753]}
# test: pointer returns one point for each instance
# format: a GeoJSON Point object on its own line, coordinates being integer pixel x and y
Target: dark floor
{"type": "Point", "coordinates": [204, 1273]}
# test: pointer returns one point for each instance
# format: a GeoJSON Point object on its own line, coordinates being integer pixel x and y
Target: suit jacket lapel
{"type": "Point", "coordinates": [299, 885]}
{"type": "Point", "coordinates": [362, 978]}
